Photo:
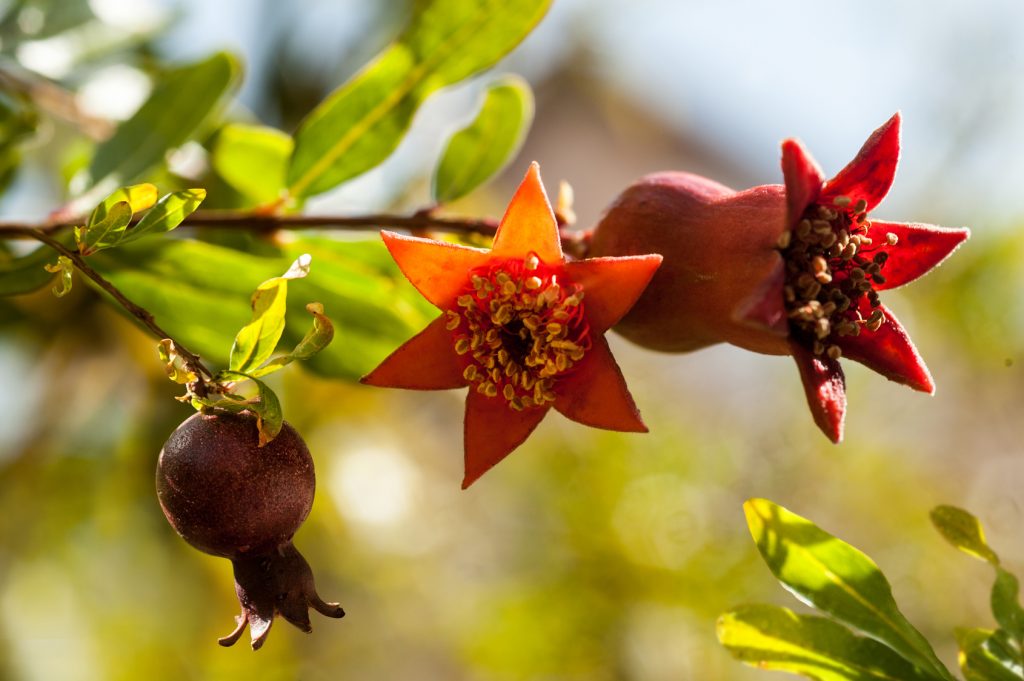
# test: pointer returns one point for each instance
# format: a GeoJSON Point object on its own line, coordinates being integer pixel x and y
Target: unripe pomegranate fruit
{"type": "Point", "coordinates": [229, 497]}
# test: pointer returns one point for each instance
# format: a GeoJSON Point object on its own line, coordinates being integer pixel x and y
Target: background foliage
{"type": "Point", "coordinates": [586, 555]}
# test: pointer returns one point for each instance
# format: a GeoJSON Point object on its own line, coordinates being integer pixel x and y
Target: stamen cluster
{"type": "Point", "coordinates": [832, 266]}
{"type": "Point", "coordinates": [517, 328]}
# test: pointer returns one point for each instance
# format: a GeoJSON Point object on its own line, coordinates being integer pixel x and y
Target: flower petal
{"type": "Point", "coordinates": [439, 270]}
{"type": "Point", "coordinates": [595, 393]}
{"type": "Point", "coordinates": [803, 178]}
{"type": "Point", "coordinates": [492, 431]}
{"type": "Point", "coordinates": [889, 352]}
{"type": "Point", "coordinates": [529, 224]}
{"type": "Point", "coordinates": [869, 175]}
{"type": "Point", "coordinates": [825, 387]}
{"type": "Point", "coordinates": [425, 362]}
{"type": "Point", "coordinates": [611, 286]}
{"type": "Point", "coordinates": [918, 249]}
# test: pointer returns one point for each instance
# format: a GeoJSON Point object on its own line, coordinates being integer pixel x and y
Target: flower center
{"type": "Point", "coordinates": [518, 328]}
{"type": "Point", "coordinates": [832, 266]}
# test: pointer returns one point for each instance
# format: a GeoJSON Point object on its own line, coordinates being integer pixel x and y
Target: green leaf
{"type": "Point", "coordinates": [837, 579]}
{"type": "Point", "coordinates": [770, 637]}
{"type": "Point", "coordinates": [66, 268]}
{"type": "Point", "coordinates": [357, 281]}
{"type": "Point", "coordinates": [964, 531]}
{"type": "Point", "coordinates": [315, 340]}
{"type": "Point", "coordinates": [1005, 602]}
{"type": "Point", "coordinates": [257, 340]}
{"type": "Point", "coordinates": [27, 273]}
{"type": "Point", "coordinates": [266, 407]}
{"type": "Point", "coordinates": [139, 197]}
{"type": "Point", "coordinates": [988, 656]}
{"type": "Point", "coordinates": [361, 123]}
{"type": "Point", "coordinates": [105, 232]}
{"type": "Point", "coordinates": [180, 103]}
{"type": "Point", "coordinates": [479, 151]}
{"type": "Point", "coordinates": [168, 213]}
{"type": "Point", "coordinates": [253, 160]}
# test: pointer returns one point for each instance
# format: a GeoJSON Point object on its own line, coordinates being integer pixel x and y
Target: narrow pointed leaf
{"type": "Point", "coordinates": [1005, 603]}
{"type": "Point", "coordinates": [315, 340]}
{"type": "Point", "coordinates": [66, 268]}
{"type": "Point", "coordinates": [964, 531]}
{"type": "Point", "coordinates": [253, 159]}
{"type": "Point", "coordinates": [774, 638]}
{"type": "Point", "coordinates": [167, 214]}
{"type": "Point", "coordinates": [257, 340]}
{"type": "Point", "coordinates": [479, 151]}
{"type": "Point", "coordinates": [836, 578]}
{"type": "Point", "coordinates": [180, 103]}
{"type": "Point", "coordinates": [988, 656]}
{"type": "Point", "coordinates": [363, 121]}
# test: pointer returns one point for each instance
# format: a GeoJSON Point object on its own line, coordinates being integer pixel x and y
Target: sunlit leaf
{"type": "Point", "coordinates": [964, 531]}
{"type": "Point", "coordinates": [257, 340]}
{"type": "Point", "coordinates": [66, 268]}
{"type": "Point", "coordinates": [180, 103]}
{"type": "Point", "coordinates": [361, 123]}
{"type": "Point", "coordinates": [479, 151]}
{"type": "Point", "coordinates": [988, 656]}
{"type": "Point", "coordinates": [175, 366]}
{"type": "Point", "coordinates": [357, 282]}
{"type": "Point", "coordinates": [253, 160]}
{"type": "Point", "coordinates": [266, 406]}
{"type": "Point", "coordinates": [315, 340]}
{"type": "Point", "coordinates": [837, 579]}
{"type": "Point", "coordinates": [770, 637]}
{"type": "Point", "coordinates": [168, 213]}
{"type": "Point", "coordinates": [106, 231]}
{"type": "Point", "coordinates": [139, 197]}
{"type": "Point", "coordinates": [1005, 603]}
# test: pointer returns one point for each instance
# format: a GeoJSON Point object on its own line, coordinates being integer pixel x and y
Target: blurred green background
{"type": "Point", "coordinates": [585, 555]}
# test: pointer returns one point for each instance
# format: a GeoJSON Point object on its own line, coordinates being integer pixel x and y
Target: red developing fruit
{"type": "Point", "coordinates": [793, 269]}
{"type": "Point", "coordinates": [227, 496]}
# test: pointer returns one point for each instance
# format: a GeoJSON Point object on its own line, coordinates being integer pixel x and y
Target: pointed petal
{"type": "Point", "coordinates": [611, 286]}
{"type": "Point", "coordinates": [594, 393]}
{"type": "Point", "coordinates": [803, 179]}
{"type": "Point", "coordinates": [765, 309]}
{"type": "Point", "coordinates": [231, 639]}
{"type": "Point", "coordinates": [437, 269]}
{"type": "Point", "coordinates": [425, 362]}
{"type": "Point", "coordinates": [869, 175]}
{"type": "Point", "coordinates": [261, 617]}
{"type": "Point", "coordinates": [492, 431]}
{"type": "Point", "coordinates": [889, 352]}
{"type": "Point", "coordinates": [529, 225]}
{"type": "Point", "coordinates": [918, 249]}
{"type": "Point", "coordinates": [825, 387]}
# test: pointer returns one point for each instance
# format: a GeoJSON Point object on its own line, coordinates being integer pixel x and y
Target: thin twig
{"type": "Point", "coordinates": [12, 229]}
{"type": "Point", "coordinates": [138, 312]}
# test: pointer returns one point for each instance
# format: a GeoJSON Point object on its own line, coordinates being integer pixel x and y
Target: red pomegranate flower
{"type": "Point", "coordinates": [521, 326]}
{"type": "Point", "coordinates": [781, 270]}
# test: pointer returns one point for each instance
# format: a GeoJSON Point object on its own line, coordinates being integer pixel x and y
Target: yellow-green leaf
{"type": "Point", "coordinates": [315, 340]}
{"type": "Point", "coordinates": [361, 123]}
{"type": "Point", "coordinates": [774, 638]}
{"type": "Point", "coordinates": [479, 151]}
{"type": "Point", "coordinates": [964, 531]}
{"type": "Point", "coordinates": [837, 579]}
{"type": "Point", "coordinates": [168, 213]}
{"type": "Point", "coordinates": [253, 160]}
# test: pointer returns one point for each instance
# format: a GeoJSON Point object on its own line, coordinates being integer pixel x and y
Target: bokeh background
{"type": "Point", "coordinates": [585, 555]}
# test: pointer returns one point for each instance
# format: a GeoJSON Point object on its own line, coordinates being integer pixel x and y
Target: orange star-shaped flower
{"type": "Point", "coordinates": [521, 326]}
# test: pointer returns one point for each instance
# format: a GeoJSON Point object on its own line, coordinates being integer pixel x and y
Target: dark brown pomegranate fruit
{"type": "Point", "coordinates": [227, 496]}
